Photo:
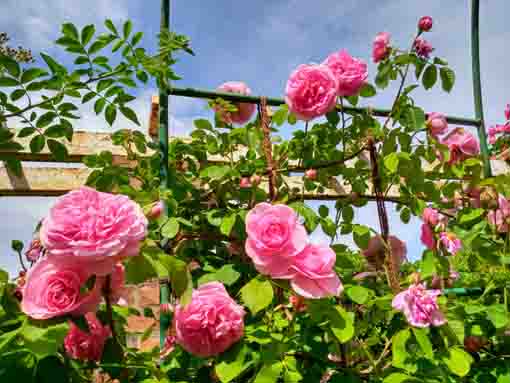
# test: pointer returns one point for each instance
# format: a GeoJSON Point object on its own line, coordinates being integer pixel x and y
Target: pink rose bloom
{"type": "Point", "coordinates": [94, 227]}
{"type": "Point", "coordinates": [275, 238]}
{"type": "Point", "coordinates": [244, 110]}
{"type": "Point", "coordinates": [451, 243]}
{"type": "Point", "coordinates": [53, 288]}
{"type": "Point", "coordinates": [381, 46]}
{"type": "Point", "coordinates": [419, 306]}
{"type": "Point", "coordinates": [87, 346]}
{"type": "Point", "coordinates": [425, 23]}
{"type": "Point", "coordinates": [437, 124]}
{"type": "Point", "coordinates": [427, 237]}
{"type": "Point", "coordinates": [376, 249]}
{"type": "Point", "coordinates": [311, 174]}
{"type": "Point", "coordinates": [462, 145]}
{"type": "Point", "coordinates": [211, 323]}
{"type": "Point", "coordinates": [493, 131]}
{"type": "Point", "coordinates": [156, 210]}
{"type": "Point", "coordinates": [351, 73]}
{"type": "Point", "coordinates": [507, 112]}
{"type": "Point", "coordinates": [315, 277]}
{"type": "Point", "coordinates": [431, 216]}
{"type": "Point", "coordinates": [311, 91]}
{"type": "Point", "coordinates": [499, 217]}
{"type": "Point", "coordinates": [423, 48]}
{"type": "Point", "coordinates": [35, 250]}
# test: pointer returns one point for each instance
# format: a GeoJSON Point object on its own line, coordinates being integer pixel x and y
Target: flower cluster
{"type": "Point", "coordinates": [434, 234]}
{"type": "Point", "coordinates": [312, 89]}
{"type": "Point", "coordinates": [85, 238]}
{"type": "Point", "coordinates": [278, 246]}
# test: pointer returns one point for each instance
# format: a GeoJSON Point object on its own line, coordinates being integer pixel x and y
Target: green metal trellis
{"type": "Point", "coordinates": [477, 121]}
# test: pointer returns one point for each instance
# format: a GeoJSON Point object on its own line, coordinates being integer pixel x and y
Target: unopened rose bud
{"type": "Point", "coordinates": [34, 251]}
{"type": "Point", "coordinates": [245, 183]}
{"type": "Point", "coordinates": [473, 343]}
{"type": "Point", "coordinates": [156, 210]}
{"type": "Point", "coordinates": [489, 198]}
{"type": "Point", "coordinates": [255, 179]}
{"type": "Point", "coordinates": [425, 23]}
{"type": "Point", "coordinates": [311, 174]}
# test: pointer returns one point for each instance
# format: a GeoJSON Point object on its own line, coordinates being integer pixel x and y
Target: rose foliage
{"type": "Point", "coordinates": [255, 296]}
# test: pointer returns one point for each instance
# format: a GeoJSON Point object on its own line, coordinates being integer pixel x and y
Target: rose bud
{"type": "Point", "coordinates": [311, 174]}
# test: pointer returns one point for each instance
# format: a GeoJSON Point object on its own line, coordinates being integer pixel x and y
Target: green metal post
{"type": "Point", "coordinates": [477, 84]}
{"type": "Point", "coordinates": [164, 289]}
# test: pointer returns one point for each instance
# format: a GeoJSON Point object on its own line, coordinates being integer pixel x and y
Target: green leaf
{"type": "Point", "coordinates": [391, 162]}
{"type": "Point", "coordinates": [128, 27]}
{"type": "Point", "coordinates": [8, 82]}
{"type": "Point", "coordinates": [129, 114]}
{"type": "Point", "coordinates": [341, 323]}
{"type": "Point", "coordinates": [429, 77]}
{"type": "Point", "coordinates": [257, 294]}
{"type": "Point", "coordinates": [17, 94]}
{"type": "Point", "coordinates": [269, 373]}
{"type": "Point", "coordinates": [458, 361]}
{"type": "Point", "coordinates": [170, 228]}
{"type": "Point", "coordinates": [139, 269]}
{"type": "Point", "coordinates": [232, 363]}
{"type": "Point", "coordinates": [37, 143]}
{"type": "Point", "coordinates": [110, 114]}
{"type": "Point", "coordinates": [58, 150]}
{"type": "Point", "coordinates": [25, 132]}
{"type": "Point", "coordinates": [136, 38]}
{"type": "Point", "coordinates": [423, 340]}
{"type": "Point", "coordinates": [44, 339]}
{"type": "Point", "coordinates": [361, 236]}
{"type": "Point", "coordinates": [179, 274]}
{"type": "Point", "coordinates": [12, 67]}
{"type": "Point", "coordinates": [55, 67]}
{"type": "Point", "coordinates": [399, 351]}
{"type": "Point", "coordinates": [358, 294]}
{"type": "Point", "coordinates": [498, 315]}
{"type": "Point", "coordinates": [215, 172]}
{"type": "Point", "coordinates": [46, 119]}
{"type": "Point", "coordinates": [226, 275]}
{"type": "Point", "coordinates": [368, 90]}
{"type": "Point", "coordinates": [31, 74]}
{"type": "Point", "coordinates": [17, 245]}
{"type": "Point", "coordinates": [333, 117]}
{"type": "Point", "coordinates": [14, 165]}
{"type": "Point", "coordinates": [347, 213]}
{"type": "Point", "coordinates": [89, 96]}
{"type": "Point", "coordinates": [87, 33]}
{"type": "Point", "coordinates": [46, 369]}
{"type": "Point", "coordinates": [398, 377]}
{"type": "Point", "coordinates": [99, 105]}
{"type": "Point", "coordinates": [109, 24]}
{"type": "Point", "coordinates": [310, 216]}
{"type": "Point", "coordinates": [280, 116]}
{"type": "Point", "coordinates": [227, 224]}
{"type": "Point", "coordinates": [202, 123]}
{"type": "Point", "coordinates": [447, 78]}
{"type": "Point", "coordinates": [323, 211]}
{"type": "Point", "coordinates": [70, 31]}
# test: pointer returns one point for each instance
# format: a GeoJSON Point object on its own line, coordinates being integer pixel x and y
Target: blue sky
{"type": "Point", "coordinates": [260, 43]}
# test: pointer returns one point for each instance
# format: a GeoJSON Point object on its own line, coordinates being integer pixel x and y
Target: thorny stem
{"type": "Point", "coordinates": [20, 257]}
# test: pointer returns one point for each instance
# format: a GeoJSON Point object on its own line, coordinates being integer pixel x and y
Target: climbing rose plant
{"type": "Point", "coordinates": [255, 297]}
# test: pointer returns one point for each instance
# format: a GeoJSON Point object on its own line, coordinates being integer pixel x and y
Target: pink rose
{"type": "Point", "coordinates": [423, 48]}
{"type": "Point", "coordinates": [500, 217]}
{"type": "Point", "coordinates": [425, 23]}
{"type": "Point", "coordinates": [376, 252]}
{"type": "Point", "coordinates": [94, 227]}
{"type": "Point", "coordinates": [156, 210]}
{"type": "Point", "coordinates": [311, 174]}
{"type": "Point", "coordinates": [381, 46]}
{"type": "Point", "coordinates": [462, 145]}
{"type": "Point", "coordinates": [451, 243]}
{"type": "Point", "coordinates": [211, 323]}
{"type": "Point", "coordinates": [507, 112]}
{"type": "Point", "coordinates": [53, 288]}
{"type": "Point", "coordinates": [437, 124]}
{"type": "Point", "coordinates": [311, 91]}
{"type": "Point", "coordinates": [315, 277]}
{"type": "Point", "coordinates": [87, 346]}
{"type": "Point", "coordinates": [419, 306]}
{"type": "Point", "coordinates": [35, 250]}
{"type": "Point", "coordinates": [244, 110]}
{"type": "Point", "coordinates": [493, 131]}
{"type": "Point", "coordinates": [351, 73]}
{"type": "Point", "coordinates": [275, 238]}
{"type": "Point", "coordinates": [427, 237]}
{"type": "Point", "coordinates": [431, 216]}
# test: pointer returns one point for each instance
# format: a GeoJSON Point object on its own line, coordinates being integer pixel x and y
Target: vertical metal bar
{"type": "Point", "coordinates": [477, 84]}
{"type": "Point", "coordinates": [164, 287]}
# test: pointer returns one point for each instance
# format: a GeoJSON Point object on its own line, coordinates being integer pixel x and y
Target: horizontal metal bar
{"type": "Point", "coordinates": [208, 94]}
{"type": "Point", "coordinates": [464, 291]}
